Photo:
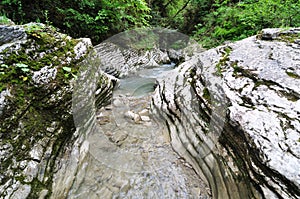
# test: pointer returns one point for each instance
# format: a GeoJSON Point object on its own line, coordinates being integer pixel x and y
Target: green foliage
{"type": "Point", "coordinates": [169, 13]}
{"type": "Point", "coordinates": [141, 39]}
{"type": "Point", "coordinates": [4, 20]}
{"type": "Point", "coordinates": [13, 9]}
{"type": "Point", "coordinates": [68, 73]}
{"type": "Point", "coordinates": [230, 21]}
{"type": "Point", "coordinates": [81, 18]}
{"type": "Point", "coordinates": [33, 28]}
{"type": "Point", "coordinates": [23, 67]}
{"type": "Point", "coordinates": [50, 49]}
{"type": "Point", "coordinates": [211, 22]}
{"type": "Point", "coordinates": [13, 74]}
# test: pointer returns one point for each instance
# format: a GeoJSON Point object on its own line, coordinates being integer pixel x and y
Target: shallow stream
{"type": "Point", "coordinates": [142, 82]}
{"type": "Point", "coordinates": [131, 156]}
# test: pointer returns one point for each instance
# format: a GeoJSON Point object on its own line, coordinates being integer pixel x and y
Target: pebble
{"type": "Point", "coordinates": [118, 102]}
{"type": "Point", "coordinates": [144, 112]}
{"type": "Point", "coordinates": [130, 114]}
{"type": "Point", "coordinates": [145, 118]}
{"type": "Point", "coordinates": [135, 117]}
{"type": "Point", "coordinates": [148, 124]}
{"type": "Point", "coordinates": [109, 107]}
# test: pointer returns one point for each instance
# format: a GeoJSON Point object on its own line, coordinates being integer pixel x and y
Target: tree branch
{"type": "Point", "coordinates": [185, 5]}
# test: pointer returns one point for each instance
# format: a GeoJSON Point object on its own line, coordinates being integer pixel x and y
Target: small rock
{"type": "Point", "coordinates": [44, 76]}
{"type": "Point", "coordinates": [130, 114]}
{"type": "Point", "coordinates": [103, 119]}
{"type": "Point", "coordinates": [82, 47]}
{"type": "Point", "coordinates": [147, 123]}
{"type": "Point", "coordinates": [118, 102]}
{"type": "Point", "coordinates": [43, 194]}
{"type": "Point", "coordinates": [135, 117]}
{"type": "Point", "coordinates": [144, 112]}
{"type": "Point", "coordinates": [145, 118]}
{"type": "Point", "coordinates": [120, 137]}
{"type": "Point", "coordinates": [109, 107]}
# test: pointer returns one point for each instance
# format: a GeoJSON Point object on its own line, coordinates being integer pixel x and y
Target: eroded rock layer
{"type": "Point", "coordinates": [233, 112]}
{"type": "Point", "coordinates": [38, 67]}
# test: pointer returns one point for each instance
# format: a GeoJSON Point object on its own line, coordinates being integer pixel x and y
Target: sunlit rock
{"type": "Point", "coordinates": [233, 113]}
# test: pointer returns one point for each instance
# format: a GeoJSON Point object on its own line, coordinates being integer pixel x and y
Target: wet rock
{"type": "Point", "coordinates": [118, 102]}
{"type": "Point", "coordinates": [176, 55]}
{"type": "Point", "coordinates": [233, 113]}
{"type": "Point", "coordinates": [234, 117]}
{"type": "Point", "coordinates": [128, 159]}
{"type": "Point", "coordinates": [119, 61]}
{"type": "Point", "coordinates": [121, 55]}
{"type": "Point", "coordinates": [151, 64]}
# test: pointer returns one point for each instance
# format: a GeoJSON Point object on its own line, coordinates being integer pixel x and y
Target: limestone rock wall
{"type": "Point", "coordinates": [233, 112]}
{"type": "Point", "coordinates": [38, 69]}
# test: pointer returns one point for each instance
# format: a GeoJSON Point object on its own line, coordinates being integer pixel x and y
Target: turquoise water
{"type": "Point", "coordinates": [142, 82]}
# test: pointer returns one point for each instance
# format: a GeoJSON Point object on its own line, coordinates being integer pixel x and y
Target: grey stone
{"type": "Point", "coordinates": [22, 192]}
{"type": "Point", "coordinates": [3, 99]}
{"type": "Point", "coordinates": [36, 123]}
{"type": "Point", "coordinates": [145, 118]}
{"type": "Point", "coordinates": [44, 76]}
{"type": "Point", "coordinates": [10, 34]}
{"type": "Point", "coordinates": [256, 83]}
{"type": "Point", "coordinates": [277, 33]}
{"type": "Point", "coordinates": [82, 47]}
{"type": "Point", "coordinates": [232, 113]}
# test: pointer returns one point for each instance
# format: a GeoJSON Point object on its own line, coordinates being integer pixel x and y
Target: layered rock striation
{"type": "Point", "coordinates": [233, 113]}
{"type": "Point", "coordinates": [38, 67]}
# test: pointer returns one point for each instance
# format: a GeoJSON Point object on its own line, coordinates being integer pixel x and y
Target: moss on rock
{"type": "Point", "coordinates": [36, 120]}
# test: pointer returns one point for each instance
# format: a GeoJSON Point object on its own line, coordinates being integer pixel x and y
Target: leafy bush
{"type": "Point", "coordinates": [231, 21]}
{"type": "Point", "coordinates": [97, 19]}
{"type": "Point", "coordinates": [4, 20]}
{"type": "Point", "coordinates": [210, 21]}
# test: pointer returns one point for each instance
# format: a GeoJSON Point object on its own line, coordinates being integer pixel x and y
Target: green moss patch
{"type": "Point", "coordinates": [223, 61]}
{"type": "Point", "coordinates": [33, 108]}
{"type": "Point", "coordinates": [292, 75]}
{"type": "Point", "coordinates": [44, 47]}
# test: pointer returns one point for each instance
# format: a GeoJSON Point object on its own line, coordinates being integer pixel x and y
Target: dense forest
{"type": "Point", "coordinates": [211, 22]}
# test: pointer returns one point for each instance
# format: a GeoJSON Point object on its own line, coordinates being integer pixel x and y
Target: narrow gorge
{"type": "Point", "coordinates": [148, 113]}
